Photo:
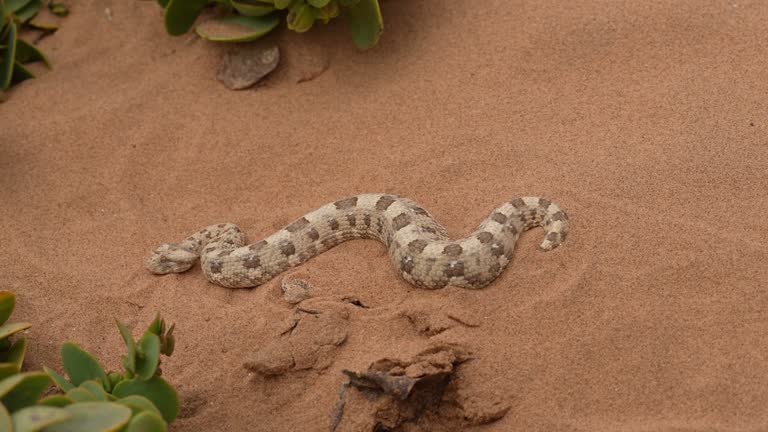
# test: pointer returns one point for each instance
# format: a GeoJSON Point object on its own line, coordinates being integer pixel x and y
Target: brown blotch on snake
{"type": "Point", "coordinates": [252, 262]}
{"type": "Point", "coordinates": [453, 250]}
{"type": "Point", "coordinates": [346, 203]}
{"type": "Point", "coordinates": [417, 246]}
{"type": "Point", "coordinates": [499, 217]}
{"type": "Point", "coordinates": [384, 202]}
{"type": "Point", "coordinates": [259, 245]}
{"type": "Point", "coordinates": [313, 234]}
{"type": "Point", "coordinates": [485, 237]}
{"type": "Point", "coordinates": [298, 225]}
{"type": "Point", "coordinates": [424, 255]}
{"type": "Point", "coordinates": [401, 221]}
{"type": "Point", "coordinates": [287, 248]}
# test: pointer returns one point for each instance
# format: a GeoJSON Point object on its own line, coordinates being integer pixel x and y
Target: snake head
{"type": "Point", "coordinates": [170, 258]}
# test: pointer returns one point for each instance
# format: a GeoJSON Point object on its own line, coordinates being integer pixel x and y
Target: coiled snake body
{"type": "Point", "coordinates": [418, 246]}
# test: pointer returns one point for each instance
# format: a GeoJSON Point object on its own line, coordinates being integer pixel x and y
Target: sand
{"type": "Point", "coordinates": [645, 120]}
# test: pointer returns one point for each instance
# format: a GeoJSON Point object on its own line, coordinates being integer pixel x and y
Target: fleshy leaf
{"type": "Point", "coordinates": [93, 416]}
{"type": "Point", "coordinates": [21, 73]}
{"type": "Point", "coordinates": [29, 10]}
{"type": "Point", "coordinates": [15, 355]}
{"type": "Point", "coordinates": [95, 388]}
{"type": "Point", "coordinates": [35, 418]}
{"type": "Point", "coordinates": [59, 9]}
{"type": "Point", "coordinates": [7, 299]}
{"type": "Point", "coordinates": [129, 361]}
{"type": "Point", "coordinates": [44, 26]}
{"type": "Point", "coordinates": [180, 15]}
{"type": "Point", "coordinates": [139, 404]}
{"type": "Point", "coordinates": [253, 8]}
{"type": "Point", "coordinates": [283, 4]}
{"type": "Point", "coordinates": [365, 23]}
{"type": "Point", "coordinates": [79, 394]}
{"type": "Point", "coordinates": [301, 17]}
{"type": "Point", "coordinates": [157, 390]}
{"type": "Point", "coordinates": [7, 369]}
{"type": "Point", "coordinates": [6, 68]}
{"type": "Point", "coordinates": [237, 28]}
{"type": "Point", "coordinates": [9, 329]}
{"type": "Point", "coordinates": [6, 424]}
{"type": "Point", "coordinates": [56, 400]}
{"type": "Point", "coordinates": [23, 390]}
{"type": "Point", "coordinates": [147, 422]}
{"type": "Point", "coordinates": [59, 380]}
{"type": "Point", "coordinates": [150, 350]}
{"type": "Point", "coordinates": [14, 6]}
{"type": "Point", "coordinates": [80, 365]}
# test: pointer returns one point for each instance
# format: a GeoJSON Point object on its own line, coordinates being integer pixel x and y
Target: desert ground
{"type": "Point", "coordinates": [645, 120]}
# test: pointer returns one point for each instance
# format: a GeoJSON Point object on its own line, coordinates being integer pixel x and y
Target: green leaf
{"type": "Point", "coordinates": [283, 4]}
{"type": "Point", "coordinates": [59, 380]}
{"type": "Point", "coordinates": [163, 3]}
{"type": "Point", "coordinates": [129, 361]}
{"type": "Point", "coordinates": [156, 390]}
{"type": "Point", "coordinates": [20, 73]}
{"type": "Point", "coordinates": [93, 416]}
{"type": "Point", "coordinates": [365, 23]}
{"type": "Point", "coordinates": [301, 17]}
{"type": "Point", "coordinates": [15, 355]}
{"type": "Point", "coordinates": [180, 15]}
{"type": "Point", "coordinates": [147, 422]}
{"type": "Point", "coordinates": [29, 10]}
{"type": "Point", "coordinates": [9, 329]}
{"type": "Point", "coordinates": [348, 3]}
{"type": "Point", "coordinates": [59, 9]}
{"type": "Point", "coordinates": [56, 400]}
{"type": "Point", "coordinates": [80, 365]}
{"type": "Point", "coordinates": [114, 378]}
{"type": "Point", "coordinates": [253, 8]}
{"type": "Point", "coordinates": [22, 390]}
{"type": "Point", "coordinates": [35, 418]}
{"type": "Point", "coordinates": [95, 388]}
{"type": "Point", "coordinates": [7, 298]}
{"type": "Point", "coordinates": [44, 26]}
{"type": "Point", "coordinates": [318, 3]}
{"type": "Point", "coordinates": [14, 6]}
{"type": "Point", "coordinates": [139, 404]}
{"type": "Point", "coordinates": [7, 369]}
{"type": "Point", "coordinates": [79, 394]}
{"type": "Point", "coordinates": [237, 28]}
{"type": "Point", "coordinates": [157, 326]}
{"type": "Point", "coordinates": [331, 10]}
{"type": "Point", "coordinates": [147, 363]}
{"type": "Point", "coordinates": [6, 424]}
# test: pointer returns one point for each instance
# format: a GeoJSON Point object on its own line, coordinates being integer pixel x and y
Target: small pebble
{"type": "Point", "coordinates": [245, 66]}
{"type": "Point", "coordinates": [295, 290]}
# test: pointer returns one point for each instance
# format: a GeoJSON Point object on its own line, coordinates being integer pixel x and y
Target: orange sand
{"type": "Point", "coordinates": [645, 120]}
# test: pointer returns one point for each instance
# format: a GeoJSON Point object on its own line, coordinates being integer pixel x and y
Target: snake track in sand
{"type": "Point", "coordinates": [418, 246]}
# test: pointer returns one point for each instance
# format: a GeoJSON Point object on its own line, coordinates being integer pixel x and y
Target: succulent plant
{"type": "Point", "coordinates": [15, 52]}
{"type": "Point", "coordinates": [136, 400]}
{"type": "Point", "coordinates": [247, 20]}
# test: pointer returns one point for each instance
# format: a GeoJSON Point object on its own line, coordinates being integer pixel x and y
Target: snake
{"type": "Point", "coordinates": [419, 248]}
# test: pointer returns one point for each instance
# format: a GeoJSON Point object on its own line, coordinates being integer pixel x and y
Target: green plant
{"type": "Point", "coordinates": [16, 52]}
{"type": "Point", "coordinates": [136, 400]}
{"type": "Point", "coordinates": [246, 20]}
